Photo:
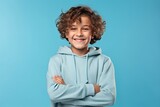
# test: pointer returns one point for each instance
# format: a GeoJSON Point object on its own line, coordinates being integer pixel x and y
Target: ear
{"type": "Point", "coordinates": [92, 37]}
{"type": "Point", "coordinates": [66, 36]}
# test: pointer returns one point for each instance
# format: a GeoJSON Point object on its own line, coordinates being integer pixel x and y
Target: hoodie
{"type": "Point", "coordinates": [80, 73]}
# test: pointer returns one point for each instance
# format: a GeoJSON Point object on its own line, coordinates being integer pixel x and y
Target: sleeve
{"type": "Point", "coordinates": [62, 93]}
{"type": "Point", "coordinates": [107, 94]}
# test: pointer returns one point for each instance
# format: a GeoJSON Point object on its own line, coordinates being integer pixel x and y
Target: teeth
{"type": "Point", "coordinates": [79, 40]}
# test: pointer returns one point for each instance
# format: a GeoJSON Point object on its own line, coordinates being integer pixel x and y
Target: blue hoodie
{"type": "Point", "coordinates": [80, 73]}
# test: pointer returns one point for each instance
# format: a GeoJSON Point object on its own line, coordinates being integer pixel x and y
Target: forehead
{"type": "Point", "coordinates": [83, 20]}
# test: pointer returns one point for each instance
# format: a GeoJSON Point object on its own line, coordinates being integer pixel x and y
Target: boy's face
{"type": "Point", "coordinates": [79, 34]}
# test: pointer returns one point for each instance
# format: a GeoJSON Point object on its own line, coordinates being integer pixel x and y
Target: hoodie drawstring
{"type": "Point", "coordinates": [86, 69]}
{"type": "Point", "coordinates": [75, 67]}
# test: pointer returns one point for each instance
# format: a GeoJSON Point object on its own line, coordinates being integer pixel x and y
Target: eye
{"type": "Point", "coordinates": [85, 29]}
{"type": "Point", "coordinates": [73, 28]}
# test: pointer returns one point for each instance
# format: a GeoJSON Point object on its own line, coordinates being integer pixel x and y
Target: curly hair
{"type": "Point", "coordinates": [74, 13]}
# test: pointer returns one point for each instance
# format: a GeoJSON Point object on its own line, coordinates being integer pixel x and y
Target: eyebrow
{"type": "Point", "coordinates": [82, 25]}
{"type": "Point", "coordinates": [86, 25]}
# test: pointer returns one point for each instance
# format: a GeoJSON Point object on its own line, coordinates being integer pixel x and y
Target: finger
{"type": "Point", "coordinates": [59, 82]}
{"type": "Point", "coordinates": [54, 77]}
{"type": "Point", "coordinates": [59, 79]}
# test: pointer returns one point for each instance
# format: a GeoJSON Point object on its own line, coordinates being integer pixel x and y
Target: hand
{"type": "Point", "coordinates": [58, 79]}
{"type": "Point", "coordinates": [96, 88]}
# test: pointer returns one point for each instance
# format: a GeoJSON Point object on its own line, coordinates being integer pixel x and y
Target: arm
{"type": "Point", "coordinates": [62, 93]}
{"type": "Point", "coordinates": [59, 80]}
{"type": "Point", "coordinates": [107, 93]}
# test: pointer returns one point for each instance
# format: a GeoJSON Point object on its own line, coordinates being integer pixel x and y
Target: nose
{"type": "Point", "coordinates": [79, 32]}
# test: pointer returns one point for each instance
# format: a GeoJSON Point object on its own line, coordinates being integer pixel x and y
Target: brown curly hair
{"type": "Point", "coordinates": [74, 13]}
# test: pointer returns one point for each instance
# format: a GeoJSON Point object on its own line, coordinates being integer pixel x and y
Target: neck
{"type": "Point", "coordinates": [80, 52]}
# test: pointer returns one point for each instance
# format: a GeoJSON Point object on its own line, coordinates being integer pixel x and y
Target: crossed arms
{"type": "Point", "coordinates": [59, 80]}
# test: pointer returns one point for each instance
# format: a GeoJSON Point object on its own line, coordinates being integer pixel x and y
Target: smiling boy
{"type": "Point", "coordinates": [79, 75]}
{"type": "Point", "coordinates": [79, 36]}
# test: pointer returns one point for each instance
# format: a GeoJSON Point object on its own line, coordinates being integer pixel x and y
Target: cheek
{"type": "Point", "coordinates": [70, 35]}
{"type": "Point", "coordinates": [89, 38]}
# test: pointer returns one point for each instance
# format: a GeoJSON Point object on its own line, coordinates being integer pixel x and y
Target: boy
{"type": "Point", "coordinates": [80, 76]}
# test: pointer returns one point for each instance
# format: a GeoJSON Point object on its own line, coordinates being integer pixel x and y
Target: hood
{"type": "Point", "coordinates": [93, 51]}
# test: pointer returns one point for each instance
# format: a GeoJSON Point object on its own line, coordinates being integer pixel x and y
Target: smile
{"type": "Point", "coordinates": [79, 39]}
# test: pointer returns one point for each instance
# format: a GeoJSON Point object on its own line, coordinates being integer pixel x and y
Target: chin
{"type": "Point", "coordinates": [80, 47]}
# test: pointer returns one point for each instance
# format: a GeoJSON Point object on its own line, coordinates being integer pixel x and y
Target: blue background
{"type": "Point", "coordinates": [29, 37]}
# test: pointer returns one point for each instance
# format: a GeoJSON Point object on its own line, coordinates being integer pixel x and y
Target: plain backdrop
{"type": "Point", "coordinates": [29, 37]}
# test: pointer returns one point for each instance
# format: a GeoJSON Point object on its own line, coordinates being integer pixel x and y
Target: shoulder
{"type": "Point", "coordinates": [106, 61]}
{"type": "Point", "coordinates": [104, 58]}
{"type": "Point", "coordinates": [55, 58]}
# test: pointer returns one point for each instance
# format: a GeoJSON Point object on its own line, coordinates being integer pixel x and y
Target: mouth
{"type": "Point", "coordinates": [79, 39]}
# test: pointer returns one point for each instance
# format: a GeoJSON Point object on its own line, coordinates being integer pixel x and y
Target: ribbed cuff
{"type": "Point", "coordinates": [90, 89]}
